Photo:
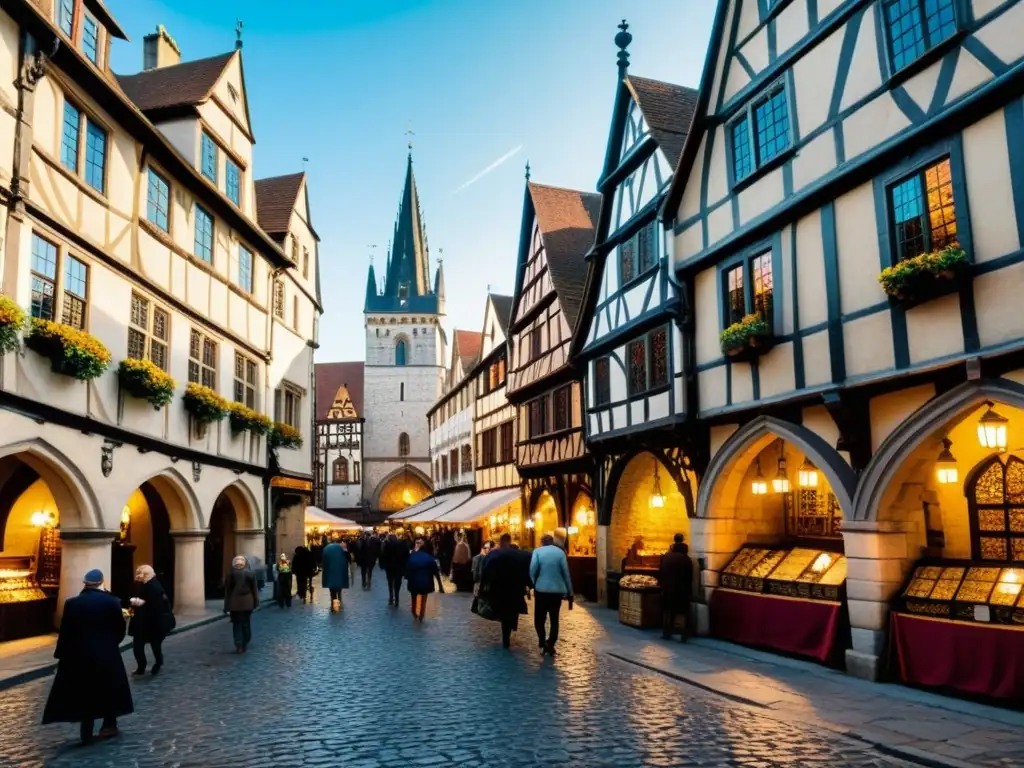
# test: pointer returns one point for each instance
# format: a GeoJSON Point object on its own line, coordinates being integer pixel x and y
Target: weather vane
{"type": "Point", "coordinates": [371, 247]}
{"type": "Point", "coordinates": [409, 133]}
{"type": "Point", "coordinates": [238, 33]}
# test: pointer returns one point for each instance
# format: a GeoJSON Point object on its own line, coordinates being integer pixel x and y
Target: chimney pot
{"type": "Point", "coordinates": [160, 50]}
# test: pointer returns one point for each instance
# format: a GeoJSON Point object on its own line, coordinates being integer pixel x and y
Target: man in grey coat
{"type": "Point", "coordinates": [549, 572]}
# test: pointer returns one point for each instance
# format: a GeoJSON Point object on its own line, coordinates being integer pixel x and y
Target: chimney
{"type": "Point", "coordinates": [160, 50]}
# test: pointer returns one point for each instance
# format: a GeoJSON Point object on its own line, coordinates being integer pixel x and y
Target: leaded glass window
{"type": "Point", "coordinates": [761, 274]}
{"type": "Point", "coordinates": [627, 261]}
{"type": "Point", "coordinates": [647, 251]}
{"type": "Point", "coordinates": [659, 357]}
{"type": "Point", "coordinates": [923, 211]}
{"type": "Point", "coordinates": [561, 409]}
{"type": "Point", "coordinates": [158, 201]}
{"type": "Point", "coordinates": [44, 277]}
{"type": "Point", "coordinates": [914, 26]}
{"type": "Point", "coordinates": [602, 381]}
{"type": "Point", "coordinates": [742, 158]}
{"type": "Point", "coordinates": [403, 446]}
{"type": "Point", "coordinates": [95, 155]}
{"type": "Point", "coordinates": [69, 137]}
{"type": "Point", "coordinates": [76, 280]}
{"type": "Point", "coordinates": [637, 354]}
{"type": "Point", "coordinates": [66, 16]}
{"type": "Point", "coordinates": [244, 269]}
{"type": "Point", "coordinates": [148, 332]}
{"type": "Point", "coordinates": [204, 235]}
{"type": "Point", "coordinates": [813, 513]}
{"type": "Point", "coordinates": [771, 117]}
{"type": "Point", "coordinates": [208, 155]}
{"type": "Point", "coordinates": [91, 39]}
{"type": "Point", "coordinates": [996, 507]}
{"type": "Point", "coordinates": [232, 182]}
{"type": "Point", "coordinates": [202, 360]}
{"type": "Point", "coordinates": [340, 470]}
{"type": "Point", "coordinates": [735, 296]}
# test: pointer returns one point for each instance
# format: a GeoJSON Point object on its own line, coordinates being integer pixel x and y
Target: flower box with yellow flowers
{"type": "Point", "coordinates": [12, 323]}
{"type": "Point", "coordinates": [204, 404]}
{"type": "Point", "coordinates": [925, 277]}
{"type": "Point", "coordinates": [71, 351]}
{"type": "Point", "coordinates": [145, 380]}
{"type": "Point", "coordinates": [245, 419]}
{"type": "Point", "coordinates": [747, 339]}
{"type": "Point", "coordinates": [285, 436]}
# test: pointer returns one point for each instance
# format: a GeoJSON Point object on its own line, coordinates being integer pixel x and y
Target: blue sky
{"type": "Point", "coordinates": [339, 83]}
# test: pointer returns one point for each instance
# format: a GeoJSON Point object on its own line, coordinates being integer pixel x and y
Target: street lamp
{"type": "Point", "coordinates": [992, 430]}
{"type": "Point", "coordinates": [945, 464]}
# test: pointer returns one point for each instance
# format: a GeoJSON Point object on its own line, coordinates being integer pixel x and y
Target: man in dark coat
{"type": "Point", "coordinates": [676, 580]}
{"type": "Point", "coordinates": [505, 578]}
{"type": "Point", "coordinates": [303, 566]}
{"type": "Point", "coordinates": [368, 561]}
{"type": "Point", "coordinates": [393, 558]}
{"type": "Point", "coordinates": [91, 683]}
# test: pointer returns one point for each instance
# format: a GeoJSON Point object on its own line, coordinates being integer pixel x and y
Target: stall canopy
{"type": "Point", "coordinates": [480, 506]}
{"type": "Point", "coordinates": [441, 505]}
{"type": "Point", "coordinates": [316, 516]}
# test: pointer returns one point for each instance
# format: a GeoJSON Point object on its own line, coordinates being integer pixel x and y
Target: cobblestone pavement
{"type": "Point", "coordinates": [369, 688]}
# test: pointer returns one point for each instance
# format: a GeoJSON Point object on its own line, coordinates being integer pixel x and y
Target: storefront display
{"type": "Point", "coordinates": [25, 610]}
{"type": "Point", "coordinates": [639, 601]}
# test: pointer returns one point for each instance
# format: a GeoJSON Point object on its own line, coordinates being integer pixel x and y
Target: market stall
{"type": "Point", "coordinates": [320, 524]}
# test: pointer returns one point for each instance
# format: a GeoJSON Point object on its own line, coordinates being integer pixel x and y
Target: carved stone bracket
{"type": "Point", "coordinates": [107, 456]}
{"type": "Point", "coordinates": [197, 471]}
{"type": "Point", "coordinates": [850, 413]}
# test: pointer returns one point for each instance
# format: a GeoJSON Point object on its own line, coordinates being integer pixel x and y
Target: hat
{"type": "Point", "coordinates": [93, 578]}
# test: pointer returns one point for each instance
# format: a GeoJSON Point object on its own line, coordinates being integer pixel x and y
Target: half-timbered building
{"type": "Point", "coordinates": [338, 454]}
{"type": "Point", "coordinates": [629, 341]}
{"type": "Point", "coordinates": [451, 417]}
{"type": "Point", "coordinates": [555, 469]}
{"type": "Point", "coordinates": [848, 213]}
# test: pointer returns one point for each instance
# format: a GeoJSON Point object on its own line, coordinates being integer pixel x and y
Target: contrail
{"type": "Point", "coordinates": [507, 156]}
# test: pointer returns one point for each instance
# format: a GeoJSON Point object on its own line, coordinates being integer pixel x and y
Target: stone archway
{"type": "Point", "coordinates": [235, 528]}
{"type": "Point", "coordinates": [400, 488]}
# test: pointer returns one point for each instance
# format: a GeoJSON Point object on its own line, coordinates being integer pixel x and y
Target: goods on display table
{"type": "Point", "coordinates": [25, 610]}
{"type": "Point", "coordinates": [788, 599]}
{"type": "Point", "coordinates": [639, 601]}
{"type": "Point", "coordinates": [957, 625]}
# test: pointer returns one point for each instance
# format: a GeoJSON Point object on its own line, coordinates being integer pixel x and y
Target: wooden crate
{"type": "Point", "coordinates": [640, 608]}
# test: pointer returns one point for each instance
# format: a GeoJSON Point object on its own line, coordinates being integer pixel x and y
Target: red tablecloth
{"type": "Point", "coordinates": [978, 659]}
{"type": "Point", "coordinates": [808, 628]}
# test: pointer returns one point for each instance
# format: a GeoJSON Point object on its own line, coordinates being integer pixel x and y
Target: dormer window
{"type": "Point", "coordinates": [66, 16]}
{"type": "Point", "coordinates": [91, 39]}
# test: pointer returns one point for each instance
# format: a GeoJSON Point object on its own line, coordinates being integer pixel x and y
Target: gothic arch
{"type": "Point", "coordinates": [408, 469]}
{"type": "Point", "coordinates": [403, 444]}
{"type": "Point", "coordinates": [936, 415]}
{"type": "Point", "coordinates": [403, 350]}
{"type": "Point", "coordinates": [245, 504]}
{"type": "Point", "coordinates": [554, 491]}
{"type": "Point", "coordinates": [183, 507]}
{"type": "Point", "coordinates": [76, 500]}
{"type": "Point", "coordinates": [751, 438]}
{"type": "Point", "coordinates": [611, 487]}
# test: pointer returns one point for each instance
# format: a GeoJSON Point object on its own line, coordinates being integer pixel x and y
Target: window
{"type": "Point", "coordinates": [232, 182]}
{"type": "Point", "coordinates": [489, 449]}
{"type": "Point", "coordinates": [915, 26]}
{"type": "Point", "coordinates": [401, 391]}
{"type": "Point", "coordinates": [295, 249]}
{"type": "Point", "coordinates": [538, 416]}
{"type": "Point", "coordinates": [467, 459]}
{"type": "Point", "coordinates": [204, 235]}
{"type": "Point", "coordinates": [638, 254]}
{"type": "Point", "coordinates": [658, 350]}
{"type": "Point", "coordinates": [340, 470]}
{"type": "Point", "coordinates": [69, 137]}
{"type": "Point", "coordinates": [506, 442]}
{"type": "Point", "coordinates": [158, 201]}
{"type": "Point", "coordinates": [279, 299]}
{"type": "Point", "coordinates": [246, 376]}
{"type": "Point", "coordinates": [202, 360]}
{"type": "Point", "coordinates": [95, 155]}
{"type": "Point", "coordinates": [648, 362]}
{"type": "Point", "coordinates": [996, 511]}
{"type": "Point", "coordinates": [66, 16]}
{"type": "Point", "coordinates": [922, 211]}
{"type": "Point", "coordinates": [560, 413]}
{"type": "Point", "coordinates": [749, 289]}
{"type": "Point", "coordinates": [762, 132]}
{"type": "Point", "coordinates": [244, 269]}
{"type": "Point", "coordinates": [75, 285]}
{"type": "Point", "coordinates": [536, 342]}
{"type": "Point", "coordinates": [403, 444]}
{"type": "Point", "coordinates": [305, 263]}
{"type": "Point", "coordinates": [44, 278]}
{"type": "Point", "coordinates": [813, 512]}
{"type": "Point", "coordinates": [295, 312]}
{"type": "Point", "coordinates": [637, 354]}
{"type": "Point", "coordinates": [453, 462]}
{"type": "Point", "coordinates": [208, 156]}
{"type": "Point", "coordinates": [444, 468]}
{"type": "Point", "coordinates": [400, 350]}
{"type": "Point", "coordinates": [91, 39]}
{"type": "Point", "coordinates": [288, 405]}
{"type": "Point", "coordinates": [148, 332]}
{"type": "Point", "coordinates": [602, 381]}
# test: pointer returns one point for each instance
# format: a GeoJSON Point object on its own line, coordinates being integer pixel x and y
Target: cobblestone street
{"type": "Point", "coordinates": [371, 688]}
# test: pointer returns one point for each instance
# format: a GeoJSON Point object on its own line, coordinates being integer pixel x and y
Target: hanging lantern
{"type": "Point", "coordinates": [945, 464]}
{"type": "Point", "coordinates": [780, 483]}
{"type": "Point", "coordinates": [760, 486]}
{"type": "Point", "coordinates": [808, 475]}
{"type": "Point", "coordinates": [657, 499]}
{"type": "Point", "coordinates": [992, 430]}
{"type": "Point", "coordinates": [529, 522]}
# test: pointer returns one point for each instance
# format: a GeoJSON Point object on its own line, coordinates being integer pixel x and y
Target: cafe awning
{"type": "Point", "coordinates": [316, 516]}
{"type": "Point", "coordinates": [442, 504]}
{"type": "Point", "coordinates": [480, 506]}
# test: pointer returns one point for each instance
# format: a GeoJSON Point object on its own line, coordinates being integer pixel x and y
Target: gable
{"type": "Point", "coordinates": [636, 131]}
{"type": "Point", "coordinates": [229, 91]}
{"type": "Point", "coordinates": [342, 407]}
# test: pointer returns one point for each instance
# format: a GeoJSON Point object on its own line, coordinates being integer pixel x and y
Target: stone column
{"type": "Point", "coordinates": [878, 559]}
{"type": "Point", "coordinates": [251, 542]}
{"type": "Point", "coordinates": [602, 565]}
{"type": "Point", "coordinates": [714, 542]}
{"type": "Point", "coordinates": [80, 552]}
{"type": "Point", "coordinates": [189, 571]}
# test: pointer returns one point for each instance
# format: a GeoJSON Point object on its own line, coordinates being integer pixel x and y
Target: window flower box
{"type": "Point", "coordinates": [146, 381]}
{"type": "Point", "coordinates": [244, 419]}
{"type": "Point", "coordinates": [747, 339]}
{"type": "Point", "coordinates": [12, 323]}
{"type": "Point", "coordinates": [285, 436]}
{"type": "Point", "coordinates": [71, 351]}
{"type": "Point", "coordinates": [204, 404]}
{"type": "Point", "coordinates": [925, 277]}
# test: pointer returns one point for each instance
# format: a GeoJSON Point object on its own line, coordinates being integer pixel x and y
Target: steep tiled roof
{"type": "Point", "coordinates": [469, 348]}
{"type": "Point", "coordinates": [330, 377]}
{"type": "Point", "coordinates": [669, 111]}
{"type": "Point", "coordinates": [566, 219]}
{"type": "Point", "coordinates": [502, 310]}
{"type": "Point", "coordinates": [275, 201]}
{"type": "Point", "coordinates": [181, 85]}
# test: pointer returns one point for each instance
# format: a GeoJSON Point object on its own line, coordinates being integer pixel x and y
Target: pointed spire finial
{"type": "Point", "coordinates": [622, 40]}
{"type": "Point", "coordinates": [409, 133]}
{"type": "Point", "coordinates": [527, 170]}
{"type": "Point", "coordinates": [440, 256]}
{"type": "Point", "coordinates": [238, 34]}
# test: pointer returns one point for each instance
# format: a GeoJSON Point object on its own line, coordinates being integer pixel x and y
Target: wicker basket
{"type": "Point", "coordinates": [640, 607]}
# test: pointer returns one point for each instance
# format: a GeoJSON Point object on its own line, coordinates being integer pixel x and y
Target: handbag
{"type": "Point", "coordinates": [485, 610]}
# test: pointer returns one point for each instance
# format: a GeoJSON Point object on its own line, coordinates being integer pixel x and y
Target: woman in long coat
{"type": "Point", "coordinates": [335, 565]}
{"type": "Point", "coordinates": [152, 619]}
{"type": "Point", "coordinates": [91, 683]}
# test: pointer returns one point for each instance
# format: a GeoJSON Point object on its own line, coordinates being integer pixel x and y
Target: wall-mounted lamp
{"type": "Point", "coordinates": [807, 477]}
{"type": "Point", "coordinates": [992, 430]}
{"type": "Point", "coordinates": [945, 464]}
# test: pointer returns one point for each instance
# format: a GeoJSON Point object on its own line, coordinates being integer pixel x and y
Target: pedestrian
{"type": "Point", "coordinates": [152, 619]}
{"type": "Point", "coordinates": [676, 580]}
{"type": "Point", "coordinates": [421, 570]}
{"type": "Point", "coordinates": [370, 554]}
{"type": "Point", "coordinates": [506, 577]}
{"type": "Point", "coordinates": [284, 582]}
{"type": "Point", "coordinates": [461, 574]}
{"type": "Point", "coordinates": [241, 598]}
{"type": "Point", "coordinates": [335, 564]}
{"type": "Point", "coordinates": [303, 566]}
{"type": "Point", "coordinates": [91, 683]}
{"type": "Point", "coordinates": [393, 559]}
{"type": "Point", "coordinates": [477, 566]}
{"type": "Point", "coordinates": [549, 574]}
